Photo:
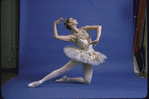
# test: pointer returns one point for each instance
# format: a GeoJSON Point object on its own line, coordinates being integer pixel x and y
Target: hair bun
{"type": "Point", "coordinates": [66, 24]}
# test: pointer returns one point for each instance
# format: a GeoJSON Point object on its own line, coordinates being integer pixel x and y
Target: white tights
{"type": "Point", "coordinates": [87, 71]}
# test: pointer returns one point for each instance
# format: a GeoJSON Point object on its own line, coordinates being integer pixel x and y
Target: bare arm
{"type": "Point", "coordinates": [94, 27]}
{"type": "Point", "coordinates": [63, 38]}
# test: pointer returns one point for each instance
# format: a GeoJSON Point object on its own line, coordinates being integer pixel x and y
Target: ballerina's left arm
{"type": "Point", "coordinates": [94, 27]}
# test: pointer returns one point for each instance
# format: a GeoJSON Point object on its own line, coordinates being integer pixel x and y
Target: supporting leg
{"type": "Point", "coordinates": [87, 71]}
{"type": "Point", "coordinates": [70, 65]}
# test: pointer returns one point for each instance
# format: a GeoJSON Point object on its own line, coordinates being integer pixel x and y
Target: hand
{"type": "Point", "coordinates": [94, 42]}
{"type": "Point", "coordinates": [58, 21]}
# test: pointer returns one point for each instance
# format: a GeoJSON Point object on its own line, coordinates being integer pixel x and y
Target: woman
{"type": "Point", "coordinates": [85, 54]}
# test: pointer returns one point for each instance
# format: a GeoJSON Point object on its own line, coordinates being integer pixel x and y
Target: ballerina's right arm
{"type": "Point", "coordinates": [61, 37]}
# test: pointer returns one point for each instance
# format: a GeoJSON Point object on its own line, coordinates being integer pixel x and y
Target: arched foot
{"type": "Point", "coordinates": [34, 84]}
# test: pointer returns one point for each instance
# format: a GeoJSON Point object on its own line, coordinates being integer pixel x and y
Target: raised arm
{"type": "Point", "coordinates": [61, 37]}
{"type": "Point", "coordinates": [94, 27]}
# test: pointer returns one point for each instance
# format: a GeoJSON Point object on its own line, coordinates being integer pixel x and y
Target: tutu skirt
{"type": "Point", "coordinates": [80, 55]}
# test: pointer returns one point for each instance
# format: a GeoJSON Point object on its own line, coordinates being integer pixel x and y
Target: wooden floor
{"type": "Point", "coordinates": [6, 76]}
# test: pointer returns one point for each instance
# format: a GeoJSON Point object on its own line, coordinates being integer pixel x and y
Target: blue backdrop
{"type": "Point", "coordinates": [39, 49]}
{"type": "Point", "coordinates": [40, 53]}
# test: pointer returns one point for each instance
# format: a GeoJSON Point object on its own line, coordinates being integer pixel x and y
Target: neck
{"type": "Point", "coordinates": [74, 29]}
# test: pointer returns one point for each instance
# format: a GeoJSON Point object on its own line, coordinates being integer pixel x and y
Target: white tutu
{"type": "Point", "coordinates": [86, 53]}
{"type": "Point", "coordinates": [80, 55]}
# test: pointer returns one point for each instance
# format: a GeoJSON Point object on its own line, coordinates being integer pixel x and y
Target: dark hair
{"type": "Point", "coordinates": [66, 24]}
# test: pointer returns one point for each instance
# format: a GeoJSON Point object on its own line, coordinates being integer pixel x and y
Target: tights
{"type": "Point", "coordinates": [87, 71]}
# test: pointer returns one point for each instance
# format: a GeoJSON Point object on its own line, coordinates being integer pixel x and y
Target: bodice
{"type": "Point", "coordinates": [83, 40]}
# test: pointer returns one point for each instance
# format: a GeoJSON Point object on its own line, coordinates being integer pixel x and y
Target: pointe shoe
{"type": "Point", "coordinates": [62, 80]}
{"type": "Point", "coordinates": [34, 84]}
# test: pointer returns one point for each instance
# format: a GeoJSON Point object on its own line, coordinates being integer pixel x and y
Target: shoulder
{"type": "Point", "coordinates": [91, 27]}
{"type": "Point", "coordinates": [72, 36]}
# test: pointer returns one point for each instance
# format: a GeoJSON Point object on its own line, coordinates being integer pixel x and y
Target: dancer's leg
{"type": "Point", "coordinates": [70, 65]}
{"type": "Point", "coordinates": [87, 71]}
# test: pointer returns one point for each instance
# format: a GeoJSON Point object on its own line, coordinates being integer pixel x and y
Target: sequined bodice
{"type": "Point", "coordinates": [83, 39]}
{"type": "Point", "coordinates": [83, 35]}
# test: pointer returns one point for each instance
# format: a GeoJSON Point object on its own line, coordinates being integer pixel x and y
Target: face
{"type": "Point", "coordinates": [73, 21]}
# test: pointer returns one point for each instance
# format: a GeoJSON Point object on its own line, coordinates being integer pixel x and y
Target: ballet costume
{"type": "Point", "coordinates": [85, 53]}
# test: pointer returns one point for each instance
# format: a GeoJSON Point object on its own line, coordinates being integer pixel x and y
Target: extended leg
{"type": "Point", "coordinates": [70, 65]}
{"type": "Point", "coordinates": [87, 71]}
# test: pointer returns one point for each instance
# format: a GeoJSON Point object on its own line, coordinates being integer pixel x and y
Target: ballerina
{"type": "Point", "coordinates": [84, 55]}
